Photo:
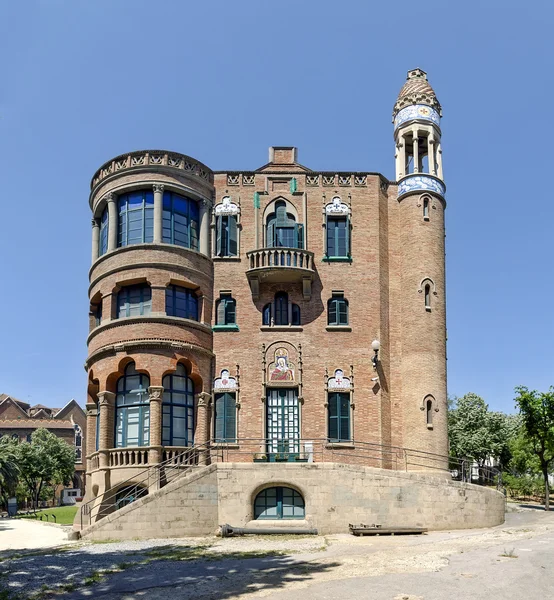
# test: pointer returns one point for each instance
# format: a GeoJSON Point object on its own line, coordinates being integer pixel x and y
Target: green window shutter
{"type": "Point", "coordinates": [219, 226]}
{"type": "Point", "coordinates": [256, 200]}
{"type": "Point", "coordinates": [230, 311]}
{"type": "Point", "coordinates": [299, 235]}
{"type": "Point", "coordinates": [233, 237]}
{"type": "Point", "coordinates": [219, 432]}
{"type": "Point", "coordinates": [344, 400]}
{"type": "Point", "coordinates": [270, 234]}
{"type": "Point", "coordinates": [332, 312]}
{"type": "Point", "coordinates": [342, 312]}
{"type": "Point", "coordinates": [333, 417]}
{"type": "Point", "coordinates": [230, 417]}
{"type": "Point", "coordinates": [293, 185]}
{"type": "Point", "coordinates": [220, 312]}
{"type": "Point", "coordinates": [347, 235]}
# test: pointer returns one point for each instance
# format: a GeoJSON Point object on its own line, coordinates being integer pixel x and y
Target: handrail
{"type": "Point", "coordinates": [279, 256]}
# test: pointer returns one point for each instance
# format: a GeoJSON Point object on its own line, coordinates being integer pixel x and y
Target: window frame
{"type": "Point", "coordinates": [171, 293]}
{"type": "Point", "coordinates": [123, 406]}
{"type": "Point", "coordinates": [146, 209]}
{"type": "Point", "coordinates": [227, 242]}
{"type": "Point", "coordinates": [171, 404]}
{"type": "Point", "coordinates": [223, 416]}
{"type": "Point", "coordinates": [144, 305]}
{"type": "Point", "coordinates": [104, 232]}
{"type": "Point", "coordinates": [229, 313]}
{"type": "Point", "coordinates": [342, 418]}
{"type": "Point", "coordinates": [333, 304]}
{"type": "Point", "coordinates": [278, 504]}
{"type": "Point", "coordinates": [191, 216]}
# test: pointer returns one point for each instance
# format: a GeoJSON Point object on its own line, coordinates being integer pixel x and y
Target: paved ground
{"type": "Point", "coordinates": [512, 561]}
{"type": "Point", "coordinates": [21, 534]}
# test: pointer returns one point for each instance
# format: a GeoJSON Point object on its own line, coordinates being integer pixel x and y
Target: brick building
{"type": "Point", "coordinates": [19, 419]}
{"type": "Point", "coordinates": [270, 316]}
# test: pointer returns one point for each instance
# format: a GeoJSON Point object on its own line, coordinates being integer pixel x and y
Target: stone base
{"type": "Point", "coordinates": [335, 495]}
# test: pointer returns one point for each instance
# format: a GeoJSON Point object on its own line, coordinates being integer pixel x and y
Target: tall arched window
{"type": "Point", "coordinates": [134, 301]}
{"type": "Point", "coordinates": [132, 409]}
{"type": "Point", "coordinates": [426, 209]}
{"type": "Point", "coordinates": [281, 311]}
{"type": "Point", "coordinates": [136, 218]}
{"type": "Point", "coordinates": [178, 409]}
{"type": "Point", "coordinates": [427, 297]}
{"type": "Point", "coordinates": [181, 302]}
{"type": "Point", "coordinates": [337, 310]}
{"type": "Point", "coordinates": [104, 228]}
{"type": "Point", "coordinates": [429, 412]}
{"type": "Point", "coordinates": [282, 230]}
{"type": "Point", "coordinates": [180, 221]}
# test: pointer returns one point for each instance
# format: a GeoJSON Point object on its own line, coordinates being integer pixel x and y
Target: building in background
{"type": "Point", "coordinates": [19, 419]}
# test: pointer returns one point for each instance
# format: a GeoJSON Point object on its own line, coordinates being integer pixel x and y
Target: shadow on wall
{"type": "Point", "coordinates": [200, 573]}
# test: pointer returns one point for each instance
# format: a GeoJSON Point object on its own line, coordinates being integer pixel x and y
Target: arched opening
{"type": "Point", "coordinates": [279, 503]}
{"type": "Point", "coordinates": [428, 297]}
{"type": "Point", "coordinates": [129, 494]}
{"type": "Point", "coordinates": [282, 230]}
{"type": "Point", "coordinates": [132, 409]}
{"type": "Point", "coordinates": [178, 408]}
{"type": "Point", "coordinates": [429, 412]}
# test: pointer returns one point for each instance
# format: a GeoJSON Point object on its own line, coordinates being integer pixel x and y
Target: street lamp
{"type": "Point", "coordinates": [375, 345]}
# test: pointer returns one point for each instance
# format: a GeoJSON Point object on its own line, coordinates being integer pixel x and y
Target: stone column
{"type": "Point", "coordinates": [106, 402]}
{"type": "Point", "coordinates": [95, 239]}
{"type": "Point", "coordinates": [431, 154]}
{"type": "Point", "coordinates": [156, 396]}
{"type": "Point", "coordinates": [92, 415]}
{"type": "Point", "coordinates": [202, 433]}
{"type": "Point", "coordinates": [439, 161]}
{"type": "Point", "coordinates": [158, 212]}
{"type": "Point", "coordinates": [416, 152]}
{"type": "Point", "coordinates": [402, 158]}
{"type": "Point", "coordinates": [112, 221]}
{"type": "Point", "coordinates": [205, 227]}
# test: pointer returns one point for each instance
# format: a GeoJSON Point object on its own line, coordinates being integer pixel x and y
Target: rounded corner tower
{"type": "Point", "coordinates": [421, 205]}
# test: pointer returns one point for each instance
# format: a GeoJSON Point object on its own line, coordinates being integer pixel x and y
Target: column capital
{"type": "Point", "coordinates": [95, 222]}
{"type": "Point", "coordinates": [106, 398]}
{"type": "Point", "coordinates": [110, 197]}
{"type": "Point", "coordinates": [91, 409]}
{"type": "Point", "coordinates": [158, 187]}
{"type": "Point", "coordinates": [156, 393]}
{"type": "Point", "coordinates": [203, 399]}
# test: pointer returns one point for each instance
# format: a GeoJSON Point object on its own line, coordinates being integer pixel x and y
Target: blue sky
{"type": "Point", "coordinates": [222, 81]}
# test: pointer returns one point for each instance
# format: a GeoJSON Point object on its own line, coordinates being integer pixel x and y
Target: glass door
{"type": "Point", "coordinates": [283, 424]}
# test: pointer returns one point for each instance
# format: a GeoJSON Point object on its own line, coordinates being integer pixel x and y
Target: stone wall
{"type": "Point", "coordinates": [335, 495]}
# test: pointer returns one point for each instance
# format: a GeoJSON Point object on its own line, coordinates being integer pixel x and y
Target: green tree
{"type": "Point", "coordinates": [45, 461]}
{"type": "Point", "coordinates": [9, 470]}
{"type": "Point", "coordinates": [537, 412]}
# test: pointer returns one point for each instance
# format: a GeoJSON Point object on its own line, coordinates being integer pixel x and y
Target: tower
{"type": "Point", "coordinates": [421, 204]}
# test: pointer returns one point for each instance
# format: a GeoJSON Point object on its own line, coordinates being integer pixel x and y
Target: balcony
{"type": "Point", "coordinates": [280, 265]}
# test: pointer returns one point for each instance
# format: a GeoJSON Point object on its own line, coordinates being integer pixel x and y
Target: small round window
{"type": "Point", "coordinates": [279, 503]}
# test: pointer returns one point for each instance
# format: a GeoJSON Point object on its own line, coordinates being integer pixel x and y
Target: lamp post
{"type": "Point", "coordinates": [375, 345]}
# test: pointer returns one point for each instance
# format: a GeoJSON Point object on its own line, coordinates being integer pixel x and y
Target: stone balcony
{"type": "Point", "coordinates": [280, 265]}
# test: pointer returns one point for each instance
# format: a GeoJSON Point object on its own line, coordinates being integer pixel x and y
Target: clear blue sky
{"type": "Point", "coordinates": [224, 80]}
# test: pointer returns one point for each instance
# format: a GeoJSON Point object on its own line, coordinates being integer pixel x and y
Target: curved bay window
{"type": "Point", "coordinates": [178, 409]}
{"type": "Point", "coordinates": [281, 311]}
{"type": "Point", "coordinates": [279, 503]}
{"type": "Point", "coordinates": [181, 302]}
{"type": "Point", "coordinates": [136, 218]}
{"type": "Point", "coordinates": [180, 221]}
{"type": "Point", "coordinates": [132, 409]}
{"type": "Point", "coordinates": [104, 227]}
{"type": "Point", "coordinates": [134, 301]}
{"type": "Point", "coordinates": [282, 230]}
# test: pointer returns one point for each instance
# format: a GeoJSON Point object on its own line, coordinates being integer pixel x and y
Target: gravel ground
{"type": "Point", "coordinates": [252, 567]}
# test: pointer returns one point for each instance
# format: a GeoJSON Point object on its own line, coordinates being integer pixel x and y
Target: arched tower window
{"type": "Point", "coordinates": [104, 228]}
{"type": "Point", "coordinates": [178, 408]}
{"type": "Point", "coordinates": [429, 412]}
{"type": "Point", "coordinates": [136, 218]}
{"type": "Point", "coordinates": [282, 230]}
{"type": "Point", "coordinates": [132, 409]}
{"type": "Point", "coordinates": [180, 221]}
{"type": "Point", "coordinates": [426, 208]}
{"type": "Point", "coordinates": [427, 297]}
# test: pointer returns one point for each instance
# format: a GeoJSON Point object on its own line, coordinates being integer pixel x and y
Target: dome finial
{"type": "Point", "coordinates": [416, 90]}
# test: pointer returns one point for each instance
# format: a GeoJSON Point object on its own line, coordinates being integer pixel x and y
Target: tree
{"type": "Point", "coordinates": [9, 470]}
{"type": "Point", "coordinates": [537, 412]}
{"type": "Point", "coordinates": [46, 460]}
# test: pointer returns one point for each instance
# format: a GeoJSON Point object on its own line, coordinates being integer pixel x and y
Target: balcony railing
{"type": "Point", "coordinates": [280, 265]}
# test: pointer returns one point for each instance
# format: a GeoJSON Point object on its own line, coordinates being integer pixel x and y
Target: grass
{"type": "Point", "coordinates": [204, 553]}
{"type": "Point", "coordinates": [64, 514]}
{"type": "Point", "coordinates": [509, 553]}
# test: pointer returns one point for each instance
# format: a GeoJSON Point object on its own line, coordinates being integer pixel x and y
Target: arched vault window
{"type": "Point", "coordinates": [282, 230]}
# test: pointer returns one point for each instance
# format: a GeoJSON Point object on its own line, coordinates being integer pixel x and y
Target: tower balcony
{"type": "Point", "coordinates": [421, 182]}
{"type": "Point", "coordinates": [280, 265]}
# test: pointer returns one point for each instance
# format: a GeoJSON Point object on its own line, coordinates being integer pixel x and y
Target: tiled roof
{"type": "Point", "coordinates": [35, 424]}
{"type": "Point", "coordinates": [416, 90]}
{"type": "Point", "coordinates": [23, 404]}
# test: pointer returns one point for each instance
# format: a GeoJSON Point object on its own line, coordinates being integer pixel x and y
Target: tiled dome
{"type": "Point", "coordinates": [416, 90]}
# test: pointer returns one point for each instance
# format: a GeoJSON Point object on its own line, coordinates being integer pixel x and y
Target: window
{"type": "Point", "coordinates": [97, 310]}
{"type": "Point", "coordinates": [226, 312]}
{"type": "Point", "coordinates": [178, 409]}
{"type": "Point", "coordinates": [29, 438]}
{"type": "Point", "coordinates": [282, 229]}
{"type": "Point", "coordinates": [337, 310]}
{"type": "Point", "coordinates": [225, 417]}
{"type": "Point", "coordinates": [279, 503]}
{"type": "Point", "coordinates": [103, 241]}
{"type": "Point", "coordinates": [180, 221]}
{"type": "Point", "coordinates": [338, 242]}
{"type": "Point", "coordinates": [426, 209]}
{"type": "Point", "coordinates": [181, 302]}
{"type": "Point", "coordinates": [339, 417]}
{"type": "Point", "coordinates": [281, 311]}
{"type": "Point", "coordinates": [136, 218]}
{"type": "Point", "coordinates": [129, 494]}
{"type": "Point", "coordinates": [132, 409]}
{"type": "Point", "coordinates": [427, 297]}
{"type": "Point", "coordinates": [429, 412]}
{"type": "Point", "coordinates": [226, 235]}
{"type": "Point", "coordinates": [134, 301]}
{"type": "Point", "coordinates": [78, 444]}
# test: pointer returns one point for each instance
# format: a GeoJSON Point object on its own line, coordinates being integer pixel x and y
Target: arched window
{"type": "Point", "coordinates": [136, 218]}
{"type": "Point", "coordinates": [225, 310]}
{"type": "Point", "coordinates": [426, 208]}
{"type": "Point", "coordinates": [337, 310]}
{"type": "Point", "coordinates": [78, 444]}
{"type": "Point", "coordinates": [427, 297]}
{"type": "Point", "coordinates": [103, 240]}
{"type": "Point", "coordinates": [132, 409]}
{"type": "Point", "coordinates": [282, 230]}
{"type": "Point", "coordinates": [178, 409]}
{"type": "Point", "coordinates": [339, 416]}
{"type": "Point", "coordinates": [281, 311]}
{"type": "Point", "coordinates": [226, 235]}
{"type": "Point", "coordinates": [279, 503]}
{"type": "Point", "coordinates": [181, 302]}
{"type": "Point", "coordinates": [180, 221]}
{"type": "Point", "coordinates": [429, 412]}
{"type": "Point", "coordinates": [134, 301]}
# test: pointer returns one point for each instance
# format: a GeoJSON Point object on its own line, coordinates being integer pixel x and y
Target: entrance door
{"type": "Point", "coordinates": [283, 424]}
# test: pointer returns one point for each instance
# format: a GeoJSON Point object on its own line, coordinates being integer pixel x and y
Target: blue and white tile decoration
{"type": "Point", "coordinates": [417, 111]}
{"type": "Point", "coordinates": [421, 183]}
